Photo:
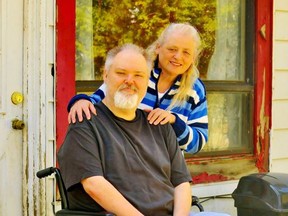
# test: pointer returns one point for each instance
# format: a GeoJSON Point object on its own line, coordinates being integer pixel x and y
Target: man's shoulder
{"type": "Point", "coordinates": [162, 127]}
{"type": "Point", "coordinates": [142, 112]}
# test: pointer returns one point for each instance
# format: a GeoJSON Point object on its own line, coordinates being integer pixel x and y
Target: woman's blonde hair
{"type": "Point", "coordinates": [188, 77]}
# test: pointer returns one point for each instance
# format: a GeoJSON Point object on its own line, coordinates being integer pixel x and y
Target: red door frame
{"type": "Point", "coordinates": [263, 79]}
{"type": "Point", "coordinates": [65, 64]}
{"type": "Point", "coordinates": [65, 73]}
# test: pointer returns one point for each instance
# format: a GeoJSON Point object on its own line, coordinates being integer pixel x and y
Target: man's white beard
{"type": "Point", "coordinates": [125, 101]}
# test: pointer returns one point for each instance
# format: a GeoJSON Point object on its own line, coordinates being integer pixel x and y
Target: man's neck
{"type": "Point", "coordinates": [127, 114]}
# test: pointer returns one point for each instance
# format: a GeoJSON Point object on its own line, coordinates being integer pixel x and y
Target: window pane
{"type": "Point", "coordinates": [84, 42]}
{"type": "Point", "coordinates": [227, 60]}
{"type": "Point", "coordinates": [116, 22]}
{"type": "Point", "coordinates": [102, 25]}
{"type": "Point", "coordinates": [229, 123]}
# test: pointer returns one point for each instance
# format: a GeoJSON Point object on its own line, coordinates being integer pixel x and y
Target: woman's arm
{"type": "Point", "coordinates": [83, 103]}
{"type": "Point", "coordinates": [190, 126]}
{"type": "Point", "coordinates": [193, 134]}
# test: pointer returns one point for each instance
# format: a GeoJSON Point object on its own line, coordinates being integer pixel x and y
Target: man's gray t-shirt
{"type": "Point", "coordinates": [141, 160]}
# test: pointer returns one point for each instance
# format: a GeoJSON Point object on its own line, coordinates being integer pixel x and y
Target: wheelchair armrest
{"type": "Point", "coordinates": [69, 212]}
{"type": "Point", "coordinates": [196, 202]}
{"type": "Point", "coordinates": [65, 211]}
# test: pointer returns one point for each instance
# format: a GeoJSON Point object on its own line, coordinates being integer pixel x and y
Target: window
{"type": "Point", "coordinates": [227, 66]}
{"type": "Point", "coordinates": [101, 25]}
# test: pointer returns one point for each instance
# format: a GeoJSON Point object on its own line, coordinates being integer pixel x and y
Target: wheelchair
{"type": "Point", "coordinates": [65, 211]}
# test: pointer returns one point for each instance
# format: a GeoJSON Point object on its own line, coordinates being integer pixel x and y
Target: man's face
{"type": "Point", "coordinates": [127, 80]}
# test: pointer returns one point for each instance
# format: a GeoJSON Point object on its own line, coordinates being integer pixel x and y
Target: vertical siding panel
{"type": "Point", "coordinates": [279, 132]}
{"type": "Point", "coordinates": [38, 58]}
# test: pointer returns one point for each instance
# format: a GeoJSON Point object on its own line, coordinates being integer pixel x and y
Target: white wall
{"type": "Point", "coordinates": [39, 112]}
{"type": "Point", "coordinates": [279, 130]}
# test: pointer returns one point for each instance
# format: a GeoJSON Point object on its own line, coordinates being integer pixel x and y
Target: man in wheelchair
{"type": "Point", "coordinates": [117, 161]}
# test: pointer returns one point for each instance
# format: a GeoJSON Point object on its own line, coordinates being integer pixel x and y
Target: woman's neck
{"type": "Point", "coordinates": [165, 82]}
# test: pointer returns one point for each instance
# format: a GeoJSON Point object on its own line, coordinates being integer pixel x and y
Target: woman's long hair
{"type": "Point", "coordinates": [189, 77]}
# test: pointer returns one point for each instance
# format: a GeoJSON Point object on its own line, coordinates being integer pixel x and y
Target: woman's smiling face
{"type": "Point", "coordinates": [176, 54]}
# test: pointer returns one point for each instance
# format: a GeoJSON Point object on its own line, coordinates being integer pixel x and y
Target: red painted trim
{"type": "Point", "coordinates": [65, 64]}
{"type": "Point", "coordinates": [263, 79]}
{"type": "Point", "coordinates": [204, 177]}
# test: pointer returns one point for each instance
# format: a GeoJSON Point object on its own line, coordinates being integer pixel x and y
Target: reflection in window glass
{"type": "Point", "coordinates": [84, 42]}
{"type": "Point", "coordinates": [229, 122]}
{"type": "Point", "coordinates": [102, 25]}
{"type": "Point", "coordinates": [121, 21]}
{"type": "Point", "coordinates": [226, 62]}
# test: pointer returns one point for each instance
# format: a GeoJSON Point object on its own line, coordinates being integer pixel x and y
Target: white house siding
{"type": "Point", "coordinates": [39, 111]}
{"type": "Point", "coordinates": [279, 129]}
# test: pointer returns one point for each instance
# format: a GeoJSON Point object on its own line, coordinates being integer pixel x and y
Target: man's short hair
{"type": "Point", "coordinates": [137, 49]}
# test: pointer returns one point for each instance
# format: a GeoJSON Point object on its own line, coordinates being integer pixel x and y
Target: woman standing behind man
{"type": "Point", "coordinates": [175, 93]}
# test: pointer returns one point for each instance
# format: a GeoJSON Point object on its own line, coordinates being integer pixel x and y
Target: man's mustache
{"type": "Point", "coordinates": [125, 86]}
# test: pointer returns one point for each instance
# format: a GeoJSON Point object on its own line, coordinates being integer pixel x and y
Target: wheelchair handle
{"type": "Point", "coordinates": [45, 172]}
